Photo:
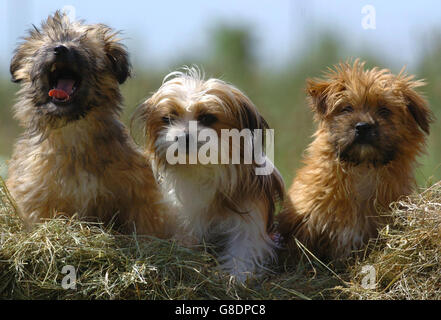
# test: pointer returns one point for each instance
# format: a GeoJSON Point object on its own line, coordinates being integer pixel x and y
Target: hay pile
{"type": "Point", "coordinates": [112, 266]}
{"type": "Point", "coordinates": [407, 254]}
{"type": "Point", "coordinates": [406, 258]}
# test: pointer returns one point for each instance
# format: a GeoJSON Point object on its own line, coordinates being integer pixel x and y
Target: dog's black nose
{"type": "Point", "coordinates": [362, 128]}
{"type": "Point", "coordinates": [59, 50]}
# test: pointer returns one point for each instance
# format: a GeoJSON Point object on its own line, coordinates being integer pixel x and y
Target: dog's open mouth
{"type": "Point", "coordinates": [64, 83]}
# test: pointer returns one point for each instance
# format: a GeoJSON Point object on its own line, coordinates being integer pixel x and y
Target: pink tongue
{"type": "Point", "coordinates": [66, 85]}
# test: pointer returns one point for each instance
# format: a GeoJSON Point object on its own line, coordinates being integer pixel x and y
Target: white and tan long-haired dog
{"type": "Point", "coordinates": [223, 203]}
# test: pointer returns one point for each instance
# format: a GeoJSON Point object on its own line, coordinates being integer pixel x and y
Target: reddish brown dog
{"type": "Point", "coordinates": [371, 127]}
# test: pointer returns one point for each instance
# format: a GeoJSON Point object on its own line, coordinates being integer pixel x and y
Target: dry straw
{"type": "Point", "coordinates": [406, 258]}
{"type": "Point", "coordinates": [407, 253]}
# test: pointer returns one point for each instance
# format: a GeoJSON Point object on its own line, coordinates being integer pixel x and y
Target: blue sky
{"type": "Point", "coordinates": [158, 32]}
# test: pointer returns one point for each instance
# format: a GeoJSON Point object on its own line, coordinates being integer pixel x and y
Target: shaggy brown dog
{"type": "Point", "coordinates": [75, 155]}
{"type": "Point", "coordinates": [371, 127]}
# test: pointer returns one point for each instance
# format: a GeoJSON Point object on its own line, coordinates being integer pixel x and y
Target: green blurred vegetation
{"type": "Point", "coordinates": [278, 93]}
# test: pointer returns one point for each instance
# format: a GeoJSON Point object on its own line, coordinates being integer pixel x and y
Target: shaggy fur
{"type": "Point", "coordinates": [226, 205]}
{"type": "Point", "coordinates": [371, 127]}
{"type": "Point", "coordinates": [75, 155]}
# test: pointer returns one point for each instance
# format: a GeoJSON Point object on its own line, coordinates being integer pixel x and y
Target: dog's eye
{"type": "Point", "coordinates": [166, 119]}
{"type": "Point", "coordinates": [384, 112]}
{"type": "Point", "coordinates": [207, 119]}
{"type": "Point", "coordinates": [347, 109]}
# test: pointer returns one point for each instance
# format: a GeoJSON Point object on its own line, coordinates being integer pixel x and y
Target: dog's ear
{"type": "Point", "coordinates": [141, 114]}
{"type": "Point", "coordinates": [317, 91]}
{"type": "Point", "coordinates": [418, 108]}
{"type": "Point", "coordinates": [15, 67]}
{"type": "Point", "coordinates": [146, 108]}
{"type": "Point", "coordinates": [119, 60]}
{"type": "Point", "coordinates": [250, 117]}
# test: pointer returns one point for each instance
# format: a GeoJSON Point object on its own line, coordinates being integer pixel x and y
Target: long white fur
{"type": "Point", "coordinates": [192, 190]}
